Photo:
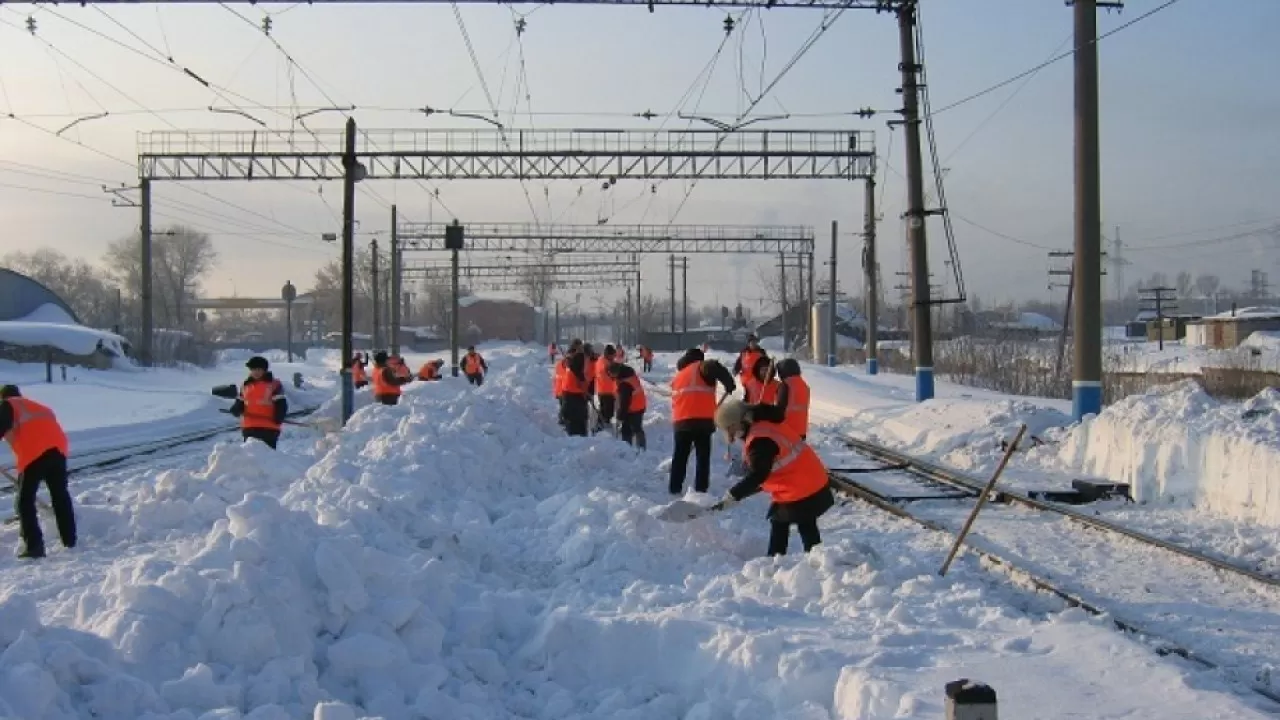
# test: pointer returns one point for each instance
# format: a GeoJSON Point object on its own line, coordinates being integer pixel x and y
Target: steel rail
{"type": "Point", "coordinates": [959, 479]}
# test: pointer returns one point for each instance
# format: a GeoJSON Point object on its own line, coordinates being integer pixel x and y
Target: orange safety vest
{"type": "Point", "coordinates": [749, 359]}
{"type": "Point", "coordinates": [428, 371]}
{"type": "Point", "coordinates": [569, 383]}
{"type": "Point", "coordinates": [797, 405]}
{"type": "Point", "coordinates": [557, 385]}
{"type": "Point", "coordinates": [380, 385]}
{"type": "Point", "coordinates": [357, 373]}
{"type": "Point", "coordinates": [403, 371]}
{"type": "Point", "coordinates": [259, 399]}
{"type": "Point", "coordinates": [762, 393]}
{"type": "Point", "coordinates": [691, 397]}
{"type": "Point", "coordinates": [471, 364]}
{"type": "Point", "coordinates": [35, 432]}
{"type": "Point", "coordinates": [647, 354]}
{"type": "Point", "coordinates": [797, 472]}
{"type": "Point", "coordinates": [605, 385]}
{"type": "Point", "coordinates": [638, 403]}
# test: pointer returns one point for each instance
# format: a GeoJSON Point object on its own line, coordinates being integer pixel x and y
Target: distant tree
{"type": "Point", "coordinates": [180, 259]}
{"type": "Point", "coordinates": [536, 284]}
{"type": "Point", "coordinates": [78, 283]}
{"type": "Point", "coordinates": [1207, 284]}
{"type": "Point", "coordinates": [1184, 284]}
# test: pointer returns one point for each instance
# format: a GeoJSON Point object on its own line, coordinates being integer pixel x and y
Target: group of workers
{"type": "Point", "coordinates": [390, 373]}
{"type": "Point", "coordinates": [584, 378]}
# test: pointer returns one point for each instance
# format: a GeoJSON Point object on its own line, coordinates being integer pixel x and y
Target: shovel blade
{"type": "Point", "coordinates": [681, 511]}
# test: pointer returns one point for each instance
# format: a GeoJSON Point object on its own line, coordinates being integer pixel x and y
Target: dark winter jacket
{"type": "Point", "coordinates": [760, 463]}
{"type": "Point", "coordinates": [737, 364]}
{"type": "Point", "coordinates": [389, 375]}
{"type": "Point", "coordinates": [577, 364]}
{"type": "Point", "coordinates": [690, 357]}
{"type": "Point", "coordinates": [712, 372]}
{"type": "Point", "coordinates": [280, 406]}
{"type": "Point", "coordinates": [6, 417]}
{"type": "Point", "coordinates": [789, 367]}
{"type": "Point", "coordinates": [625, 391]}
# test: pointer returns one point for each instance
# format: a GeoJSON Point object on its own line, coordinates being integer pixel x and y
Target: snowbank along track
{"type": "Point", "coordinates": [956, 486]}
{"type": "Point", "coordinates": [931, 482]}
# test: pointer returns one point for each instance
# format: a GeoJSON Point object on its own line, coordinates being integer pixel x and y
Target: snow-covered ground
{"type": "Point", "coordinates": [106, 409]}
{"type": "Point", "coordinates": [457, 557]}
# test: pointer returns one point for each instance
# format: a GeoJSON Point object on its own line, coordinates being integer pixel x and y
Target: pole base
{"type": "Point", "coordinates": [831, 360]}
{"type": "Point", "coordinates": [348, 396]}
{"type": "Point", "coordinates": [1086, 398]}
{"type": "Point", "coordinates": [924, 384]}
{"type": "Point", "coordinates": [873, 366]}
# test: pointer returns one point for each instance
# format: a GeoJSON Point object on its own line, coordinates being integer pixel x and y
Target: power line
{"type": "Point", "coordinates": [1053, 60]}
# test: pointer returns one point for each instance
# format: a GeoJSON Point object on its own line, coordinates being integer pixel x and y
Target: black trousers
{"type": "Point", "coordinates": [388, 399]}
{"type": "Point", "coordinates": [270, 437]}
{"type": "Point", "coordinates": [780, 532]}
{"type": "Point", "coordinates": [698, 441]}
{"type": "Point", "coordinates": [575, 414]}
{"type": "Point", "coordinates": [648, 365]}
{"type": "Point", "coordinates": [51, 469]}
{"type": "Point", "coordinates": [607, 404]}
{"type": "Point", "coordinates": [476, 379]}
{"type": "Point", "coordinates": [632, 430]}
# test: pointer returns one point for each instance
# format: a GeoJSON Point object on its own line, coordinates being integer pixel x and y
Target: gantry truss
{"type": "Point", "coordinates": [552, 238]}
{"type": "Point", "coordinates": [495, 154]}
{"type": "Point", "coordinates": [878, 5]}
{"type": "Point", "coordinates": [551, 274]}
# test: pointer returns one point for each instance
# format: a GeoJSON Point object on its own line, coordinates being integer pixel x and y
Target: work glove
{"type": "Point", "coordinates": [727, 501]}
{"type": "Point", "coordinates": [237, 408]}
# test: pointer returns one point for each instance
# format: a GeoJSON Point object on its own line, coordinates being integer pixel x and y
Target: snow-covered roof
{"type": "Point", "coordinates": [1261, 312]}
{"type": "Point", "coordinates": [73, 339]}
{"type": "Point", "coordinates": [1030, 321]}
{"type": "Point", "coordinates": [48, 313]}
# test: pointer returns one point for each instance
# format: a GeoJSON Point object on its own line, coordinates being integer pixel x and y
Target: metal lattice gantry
{"type": "Point", "coordinates": [878, 5]}
{"type": "Point", "coordinates": [551, 274]}
{"type": "Point", "coordinates": [622, 239]}
{"type": "Point", "coordinates": [495, 154]}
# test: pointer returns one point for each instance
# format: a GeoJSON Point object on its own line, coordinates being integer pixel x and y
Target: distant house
{"type": "Point", "coordinates": [1229, 329]}
{"type": "Point", "coordinates": [482, 319]}
{"type": "Point", "coordinates": [38, 326]}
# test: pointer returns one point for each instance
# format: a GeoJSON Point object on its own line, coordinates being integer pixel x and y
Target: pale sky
{"type": "Point", "coordinates": [1189, 109]}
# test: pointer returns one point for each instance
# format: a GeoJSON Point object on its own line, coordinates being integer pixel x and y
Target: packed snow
{"type": "Point", "coordinates": [458, 557]}
{"type": "Point", "coordinates": [72, 339]}
{"type": "Point", "coordinates": [48, 313]}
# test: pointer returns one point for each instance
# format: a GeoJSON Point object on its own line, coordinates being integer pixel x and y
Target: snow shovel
{"type": "Point", "coordinates": [682, 511]}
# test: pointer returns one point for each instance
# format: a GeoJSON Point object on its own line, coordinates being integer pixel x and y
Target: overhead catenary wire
{"type": "Point", "coordinates": [1055, 59]}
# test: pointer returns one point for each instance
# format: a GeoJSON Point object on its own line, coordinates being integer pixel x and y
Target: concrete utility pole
{"type": "Point", "coordinates": [639, 302]}
{"type": "Point", "coordinates": [671, 265]}
{"type": "Point", "coordinates": [1086, 390]}
{"type": "Point", "coordinates": [148, 309]}
{"type": "Point", "coordinates": [684, 311]}
{"type": "Point", "coordinates": [394, 330]}
{"type": "Point", "coordinates": [812, 297]}
{"type": "Point", "coordinates": [377, 291]}
{"type": "Point", "coordinates": [782, 289]}
{"type": "Point", "coordinates": [869, 266]}
{"type": "Point", "coordinates": [921, 329]}
{"type": "Point", "coordinates": [351, 170]}
{"type": "Point", "coordinates": [288, 293]}
{"type": "Point", "coordinates": [832, 316]}
{"type": "Point", "coordinates": [1159, 299]}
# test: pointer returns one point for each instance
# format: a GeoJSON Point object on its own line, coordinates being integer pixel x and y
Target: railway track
{"type": "Point", "coordinates": [1217, 614]}
{"type": "Point", "coordinates": [1180, 602]}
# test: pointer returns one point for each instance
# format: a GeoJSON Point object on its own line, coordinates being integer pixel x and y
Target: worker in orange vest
{"type": "Point", "coordinates": [606, 388]}
{"type": "Point", "coordinates": [474, 366]}
{"type": "Point", "coordinates": [551, 353]}
{"type": "Point", "coordinates": [386, 383]}
{"type": "Point", "coordinates": [693, 411]}
{"type": "Point", "coordinates": [747, 359]}
{"type": "Point", "coordinates": [762, 384]}
{"type": "Point", "coordinates": [402, 370]}
{"type": "Point", "coordinates": [781, 464]}
{"type": "Point", "coordinates": [430, 370]}
{"type": "Point", "coordinates": [39, 448]}
{"type": "Point", "coordinates": [358, 376]}
{"type": "Point", "coordinates": [646, 357]}
{"type": "Point", "coordinates": [261, 405]}
{"type": "Point", "coordinates": [573, 390]}
{"type": "Point", "coordinates": [631, 403]}
{"type": "Point", "coordinates": [793, 397]}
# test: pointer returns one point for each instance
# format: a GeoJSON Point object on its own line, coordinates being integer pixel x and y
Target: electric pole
{"type": "Point", "coordinates": [453, 239]}
{"type": "Point", "coordinates": [394, 330]}
{"type": "Point", "coordinates": [832, 316]}
{"type": "Point", "coordinates": [671, 265]}
{"type": "Point", "coordinates": [352, 173]}
{"type": "Point", "coordinates": [871, 270]}
{"type": "Point", "coordinates": [684, 311]}
{"type": "Point", "coordinates": [1157, 300]}
{"type": "Point", "coordinates": [1066, 313]}
{"type": "Point", "coordinates": [377, 291]}
{"type": "Point", "coordinates": [1086, 389]}
{"type": "Point", "coordinates": [921, 332]}
{"type": "Point", "coordinates": [782, 290]}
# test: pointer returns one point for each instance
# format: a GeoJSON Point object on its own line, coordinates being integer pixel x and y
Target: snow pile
{"type": "Point", "coordinates": [48, 313]}
{"type": "Point", "coordinates": [72, 339]}
{"type": "Point", "coordinates": [1177, 444]}
{"type": "Point", "coordinates": [1266, 340]}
